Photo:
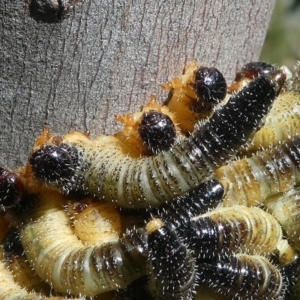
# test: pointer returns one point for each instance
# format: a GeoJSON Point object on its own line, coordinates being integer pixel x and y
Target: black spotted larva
{"type": "Point", "coordinates": [107, 172]}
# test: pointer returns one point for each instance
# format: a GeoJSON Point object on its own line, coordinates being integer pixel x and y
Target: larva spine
{"type": "Point", "coordinates": [106, 172]}
{"type": "Point", "coordinates": [250, 181]}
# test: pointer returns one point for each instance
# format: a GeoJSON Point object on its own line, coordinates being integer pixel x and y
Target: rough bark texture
{"type": "Point", "coordinates": [74, 65]}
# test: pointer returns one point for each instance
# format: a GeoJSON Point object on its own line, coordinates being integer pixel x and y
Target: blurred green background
{"type": "Point", "coordinates": [282, 44]}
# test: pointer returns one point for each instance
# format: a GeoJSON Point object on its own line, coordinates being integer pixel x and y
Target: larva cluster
{"type": "Point", "coordinates": [180, 160]}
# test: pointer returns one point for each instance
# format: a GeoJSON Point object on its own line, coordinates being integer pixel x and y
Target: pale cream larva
{"type": "Point", "coordinates": [68, 265]}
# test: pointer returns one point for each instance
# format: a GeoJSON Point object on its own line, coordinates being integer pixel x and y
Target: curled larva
{"type": "Point", "coordinates": [173, 268]}
{"type": "Point", "coordinates": [195, 94]}
{"type": "Point", "coordinates": [68, 265]}
{"type": "Point", "coordinates": [107, 172]}
{"type": "Point", "coordinates": [244, 277]}
{"type": "Point", "coordinates": [17, 279]}
{"type": "Point", "coordinates": [250, 181]}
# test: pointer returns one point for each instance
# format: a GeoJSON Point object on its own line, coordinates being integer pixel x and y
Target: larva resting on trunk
{"type": "Point", "coordinates": [70, 267]}
{"type": "Point", "coordinates": [250, 181]}
{"type": "Point", "coordinates": [195, 95]}
{"type": "Point", "coordinates": [102, 168]}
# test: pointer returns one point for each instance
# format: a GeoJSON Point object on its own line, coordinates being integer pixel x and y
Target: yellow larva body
{"type": "Point", "coordinates": [94, 223]}
{"type": "Point", "coordinates": [285, 207]}
{"type": "Point", "coordinates": [62, 260]}
{"type": "Point", "coordinates": [282, 123]}
{"type": "Point", "coordinates": [250, 181]}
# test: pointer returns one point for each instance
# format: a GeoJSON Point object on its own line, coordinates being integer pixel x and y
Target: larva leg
{"type": "Point", "coordinates": [173, 270]}
{"type": "Point", "coordinates": [105, 172]}
{"type": "Point", "coordinates": [251, 180]}
{"type": "Point", "coordinates": [244, 277]}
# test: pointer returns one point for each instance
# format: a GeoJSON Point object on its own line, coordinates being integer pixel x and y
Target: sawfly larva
{"type": "Point", "coordinates": [150, 131]}
{"type": "Point", "coordinates": [232, 229]}
{"type": "Point", "coordinates": [68, 265]}
{"type": "Point", "coordinates": [107, 172]}
{"type": "Point", "coordinates": [173, 268]}
{"type": "Point", "coordinates": [244, 277]}
{"type": "Point", "coordinates": [195, 94]}
{"type": "Point", "coordinates": [250, 181]}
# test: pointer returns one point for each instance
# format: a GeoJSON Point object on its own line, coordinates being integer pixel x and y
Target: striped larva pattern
{"type": "Point", "coordinates": [68, 265]}
{"type": "Point", "coordinates": [106, 172]}
{"type": "Point", "coordinates": [250, 181]}
{"type": "Point", "coordinates": [285, 207]}
{"type": "Point", "coordinates": [244, 277]}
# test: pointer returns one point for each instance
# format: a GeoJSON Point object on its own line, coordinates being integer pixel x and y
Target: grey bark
{"type": "Point", "coordinates": [74, 65]}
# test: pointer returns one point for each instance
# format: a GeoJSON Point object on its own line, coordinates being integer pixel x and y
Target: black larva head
{"type": "Point", "coordinates": [254, 69]}
{"type": "Point", "coordinates": [210, 85]}
{"type": "Point", "coordinates": [53, 163]}
{"type": "Point", "coordinates": [157, 131]}
{"type": "Point", "coordinates": [11, 189]}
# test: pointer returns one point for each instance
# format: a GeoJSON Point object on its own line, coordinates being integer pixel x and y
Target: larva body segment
{"type": "Point", "coordinates": [107, 173]}
{"type": "Point", "coordinates": [173, 269]}
{"type": "Point", "coordinates": [232, 229]}
{"type": "Point", "coordinates": [242, 229]}
{"type": "Point", "coordinates": [244, 277]}
{"type": "Point", "coordinates": [285, 207]}
{"type": "Point", "coordinates": [282, 123]}
{"type": "Point", "coordinates": [60, 259]}
{"type": "Point", "coordinates": [250, 181]}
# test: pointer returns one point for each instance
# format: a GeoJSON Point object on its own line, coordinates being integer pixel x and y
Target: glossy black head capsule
{"type": "Point", "coordinates": [11, 189]}
{"type": "Point", "coordinates": [210, 86]}
{"type": "Point", "coordinates": [53, 163]}
{"type": "Point", "coordinates": [157, 131]}
{"type": "Point", "coordinates": [254, 69]}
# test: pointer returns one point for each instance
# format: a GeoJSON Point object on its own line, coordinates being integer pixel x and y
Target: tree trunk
{"type": "Point", "coordinates": [73, 65]}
